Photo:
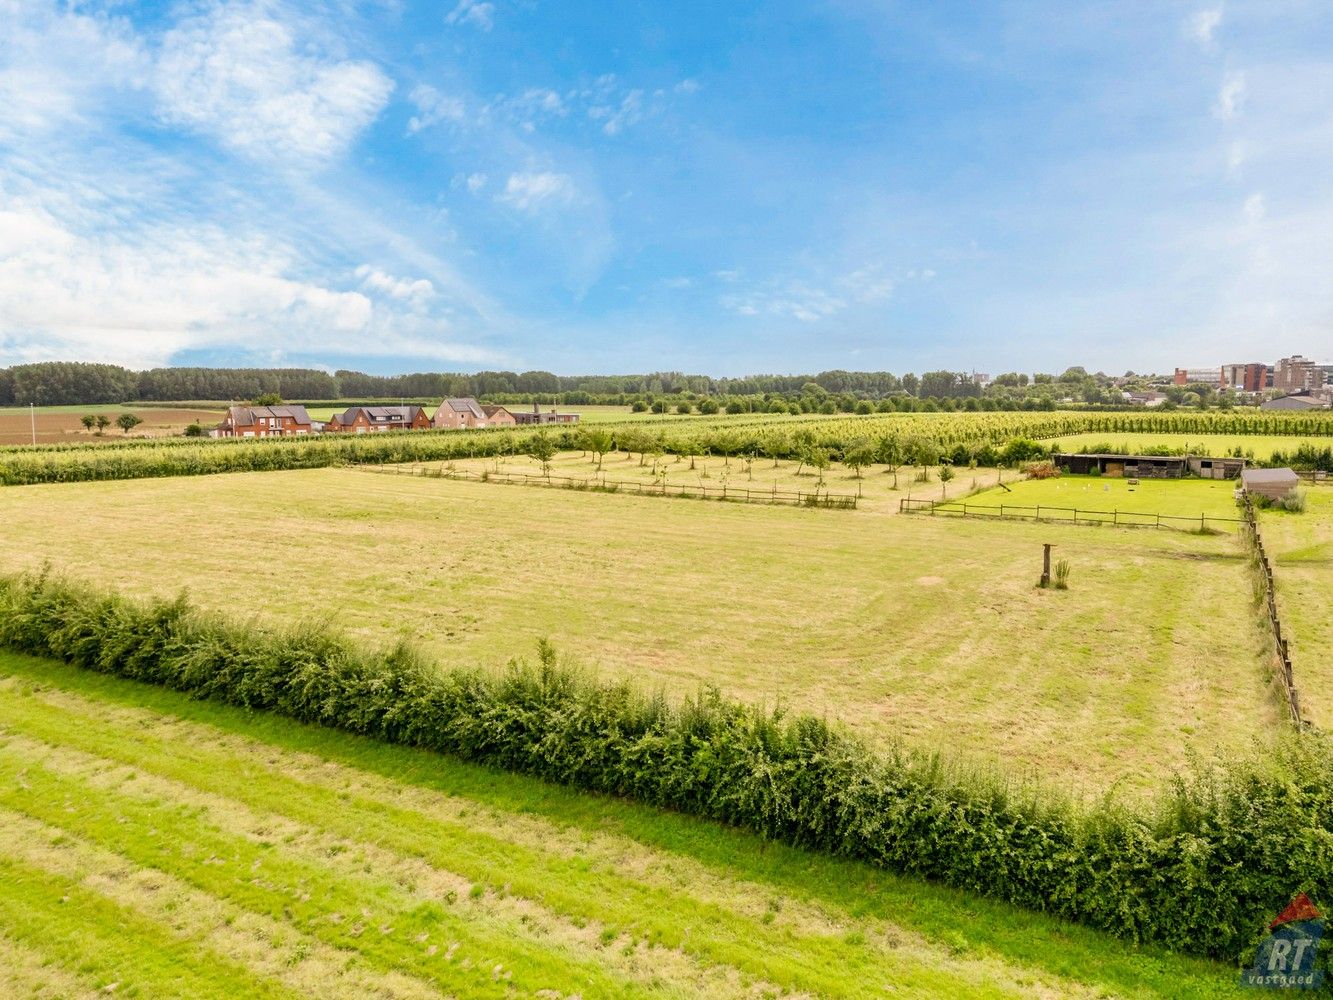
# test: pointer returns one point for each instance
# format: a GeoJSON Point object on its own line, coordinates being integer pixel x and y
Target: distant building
{"type": "Point", "coordinates": [1303, 400]}
{"type": "Point", "coordinates": [264, 421]}
{"type": "Point", "coordinates": [1298, 374]}
{"type": "Point", "coordinates": [1144, 398]}
{"type": "Point", "coordinates": [367, 419]}
{"type": "Point", "coordinates": [457, 414]}
{"type": "Point", "coordinates": [1191, 376]}
{"type": "Point", "coordinates": [1151, 466]}
{"type": "Point", "coordinates": [1272, 483]}
{"type": "Point", "coordinates": [1251, 377]}
{"type": "Point", "coordinates": [536, 416]}
{"type": "Point", "coordinates": [982, 379]}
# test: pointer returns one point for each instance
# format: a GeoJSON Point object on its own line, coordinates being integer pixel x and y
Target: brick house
{"type": "Point", "coordinates": [456, 414]}
{"type": "Point", "coordinates": [368, 419]}
{"type": "Point", "coordinates": [264, 421]}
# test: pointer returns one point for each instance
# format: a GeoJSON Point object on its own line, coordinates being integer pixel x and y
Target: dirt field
{"type": "Point", "coordinates": [57, 424]}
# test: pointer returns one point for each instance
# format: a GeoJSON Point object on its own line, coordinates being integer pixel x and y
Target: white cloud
{"type": "Point", "coordinates": [1255, 208]}
{"type": "Point", "coordinates": [475, 182]}
{"type": "Point", "coordinates": [614, 119]}
{"type": "Point", "coordinates": [687, 86]}
{"type": "Point", "coordinates": [433, 108]}
{"type": "Point", "coordinates": [418, 291]}
{"type": "Point", "coordinates": [472, 12]}
{"type": "Point", "coordinates": [1203, 23]}
{"type": "Point", "coordinates": [1230, 97]}
{"type": "Point", "coordinates": [533, 191]}
{"type": "Point", "coordinates": [809, 301]}
{"type": "Point", "coordinates": [262, 87]}
{"type": "Point", "coordinates": [60, 68]}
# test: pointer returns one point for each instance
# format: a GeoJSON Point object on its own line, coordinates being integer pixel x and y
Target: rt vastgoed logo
{"type": "Point", "coordinates": [1286, 956]}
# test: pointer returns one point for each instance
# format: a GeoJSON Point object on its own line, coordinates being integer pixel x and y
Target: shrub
{"type": "Point", "coordinates": [1201, 870]}
{"type": "Point", "coordinates": [1293, 501]}
{"type": "Point", "coordinates": [1041, 470]}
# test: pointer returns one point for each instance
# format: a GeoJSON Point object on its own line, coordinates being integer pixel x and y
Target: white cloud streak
{"type": "Point", "coordinates": [238, 73]}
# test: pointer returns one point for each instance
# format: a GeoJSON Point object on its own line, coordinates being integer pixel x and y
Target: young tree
{"type": "Point", "coordinates": [819, 459]}
{"type": "Point", "coordinates": [859, 454]}
{"type": "Point", "coordinates": [542, 449]}
{"type": "Point", "coordinates": [88, 420]}
{"type": "Point", "coordinates": [269, 399]}
{"type": "Point", "coordinates": [103, 422]}
{"type": "Point", "coordinates": [127, 422]}
{"type": "Point", "coordinates": [891, 454]}
{"type": "Point", "coordinates": [598, 442]}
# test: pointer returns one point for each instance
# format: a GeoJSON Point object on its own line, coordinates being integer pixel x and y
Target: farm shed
{"type": "Point", "coordinates": [1138, 466]}
{"type": "Point", "coordinates": [1216, 468]}
{"type": "Point", "coordinates": [1272, 483]}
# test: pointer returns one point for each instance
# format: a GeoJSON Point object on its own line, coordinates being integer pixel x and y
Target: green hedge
{"type": "Point", "coordinates": [1201, 871]}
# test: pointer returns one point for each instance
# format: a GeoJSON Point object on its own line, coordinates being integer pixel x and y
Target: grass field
{"type": "Point", "coordinates": [1255, 446]}
{"type": "Point", "coordinates": [59, 424]}
{"type": "Point", "coordinates": [1173, 497]}
{"type": "Point", "coordinates": [1301, 547]}
{"type": "Point", "coordinates": [154, 846]}
{"type": "Point", "coordinates": [874, 486]}
{"type": "Point", "coordinates": [920, 628]}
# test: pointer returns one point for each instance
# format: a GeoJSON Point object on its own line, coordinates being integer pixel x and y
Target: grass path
{"type": "Point", "coordinates": [180, 848]}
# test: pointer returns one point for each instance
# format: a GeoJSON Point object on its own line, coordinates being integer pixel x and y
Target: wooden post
{"type": "Point", "coordinates": [1046, 564]}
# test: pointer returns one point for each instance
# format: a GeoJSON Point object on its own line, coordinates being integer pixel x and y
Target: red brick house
{"type": "Point", "coordinates": [368, 419]}
{"type": "Point", "coordinates": [456, 414]}
{"type": "Point", "coordinates": [264, 421]}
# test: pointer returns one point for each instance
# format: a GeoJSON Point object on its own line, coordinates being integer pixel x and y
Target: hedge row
{"type": "Point", "coordinates": [1200, 871]}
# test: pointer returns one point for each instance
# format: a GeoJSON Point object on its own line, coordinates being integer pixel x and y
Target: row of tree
{"type": "Point", "coordinates": [74, 383]}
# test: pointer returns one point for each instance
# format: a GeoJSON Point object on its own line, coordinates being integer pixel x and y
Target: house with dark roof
{"type": "Point", "coordinates": [264, 421]}
{"type": "Point", "coordinates": [368, 419]}
{"type": "Point", "coordinates": [456, 414]}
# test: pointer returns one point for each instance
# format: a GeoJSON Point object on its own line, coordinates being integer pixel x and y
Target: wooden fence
{"type": "Point", "coordinates": [600, 484]}
{"type": "Point", "coordinates": [1067, 515]}
{"type": "Point", "coordinates": [1265, 569]}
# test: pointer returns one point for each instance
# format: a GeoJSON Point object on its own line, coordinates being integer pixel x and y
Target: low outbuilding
{"type": "Point", "coordinates": [1271, 483]}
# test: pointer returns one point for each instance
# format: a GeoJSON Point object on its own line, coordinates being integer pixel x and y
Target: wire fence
{"type": "Point", "coordinates": [657, 488]}
{"type": "Point", "coordinates": [1068, 515]}
{"type": "Point", "coordinates": [1265, 570]}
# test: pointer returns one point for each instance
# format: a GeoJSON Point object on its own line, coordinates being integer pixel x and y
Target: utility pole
{"type": "Point", "coordinates": [32, 412]}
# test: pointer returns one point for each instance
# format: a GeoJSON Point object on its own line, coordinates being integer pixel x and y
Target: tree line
{"type": "Point", "coordinates": [56, 383]}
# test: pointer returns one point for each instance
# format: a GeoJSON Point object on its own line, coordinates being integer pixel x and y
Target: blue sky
{"type": "Point", "coordinates": [723, 188]}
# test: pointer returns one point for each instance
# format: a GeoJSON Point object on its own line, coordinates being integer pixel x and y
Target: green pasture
{"type": "Point", "coordinates": [926, 629]}
{"type": "Point", "coordinates": [1187, 497]}
{"type": "Point", "coordinates": [1300, 546]}
{"type": "Point", "coordinates": [156, 846]}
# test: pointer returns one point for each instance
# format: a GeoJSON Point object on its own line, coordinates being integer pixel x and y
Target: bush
{"type": "Point", "coordinates": [1202, 870]}
{"type": "Point", "coordinates": [1293, 501]}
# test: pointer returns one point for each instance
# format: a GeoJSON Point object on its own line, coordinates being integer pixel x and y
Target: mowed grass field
{"type": "Point", "coordinates": [1300, 546]}
{"type": "Point", "coordinates": [62, 424]}
{"type": "Point", "coordinates": [1173, 498]}
{"type": "Point", "coordinates": [157, 847]}
{"type": "Point", "coordinates": [874, 486]}
{"type": "Point", "coordinates": [1257, 446]}
{"type": "Point", "coordinates": [927, 629]}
